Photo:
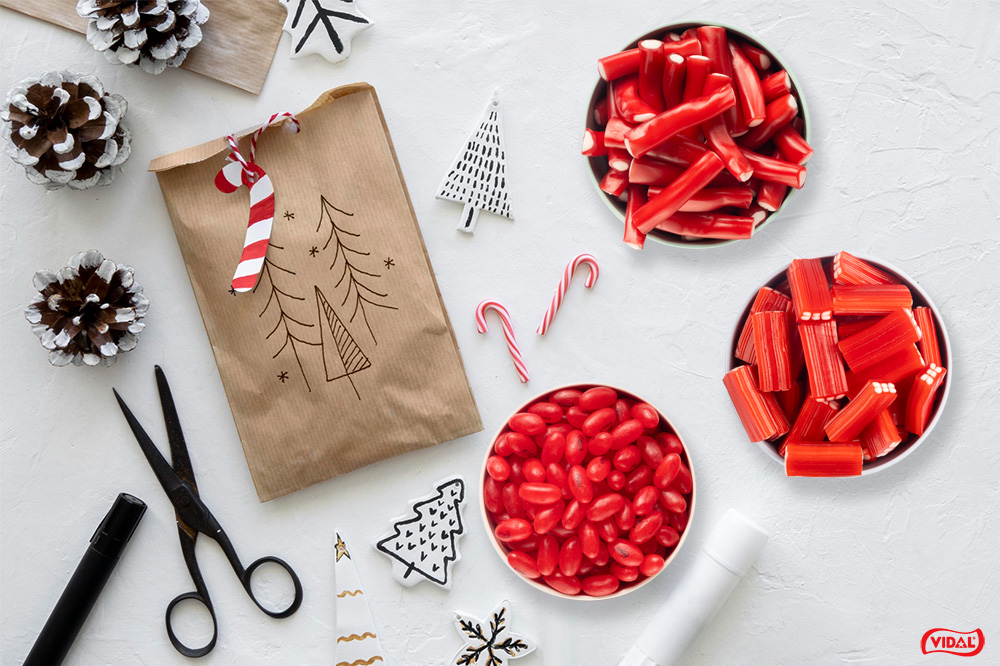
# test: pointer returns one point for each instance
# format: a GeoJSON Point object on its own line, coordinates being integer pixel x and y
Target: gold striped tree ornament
{"type": "Point", "coordinates": [357, 641]}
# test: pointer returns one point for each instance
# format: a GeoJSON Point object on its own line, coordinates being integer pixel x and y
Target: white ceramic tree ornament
{"type": "Point", "coordinates": [357, 640]}
{"type": "Point", "coordinates": [325, 27]}
{"type": "Point", "coordinates": [478, 176]}
{"type": "Point", "coordinates": [490, 642]}
{"type": "Point", "coordinates": [424, 544]}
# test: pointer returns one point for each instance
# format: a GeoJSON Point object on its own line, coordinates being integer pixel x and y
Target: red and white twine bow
{"type": "Point", "coordinates": [557, 298]}
{"type": "Point", "coordinates": [508, 334]}
{"type": "Point", "coordinates": [241, 171]}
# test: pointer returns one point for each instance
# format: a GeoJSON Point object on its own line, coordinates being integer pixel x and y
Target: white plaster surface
{"type": "Point", "coordinates": [906, 114]}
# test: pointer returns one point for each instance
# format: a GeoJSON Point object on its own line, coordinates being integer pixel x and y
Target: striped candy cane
{"type": "Point", "coordinates": [234, 175]}
{"type": "Point", "coordinates": [508, 334]}
{"type": "Point", "coordinates": [557, 298]}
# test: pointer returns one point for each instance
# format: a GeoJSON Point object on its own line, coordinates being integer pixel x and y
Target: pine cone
{"type": "Point", "coordinates": [65, 130]}
{"type": "Point", "coordinates": [153, 33]}
{"type": "Point", "coordinates": [87, 312]}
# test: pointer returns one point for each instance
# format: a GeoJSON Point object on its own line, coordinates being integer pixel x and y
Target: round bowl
{"type": "Point", "coordinates": [599, 166]}
{"type": "Point", "coordinates": [502, 550]}
{"type": "Point", "coordinates": [920, 298]}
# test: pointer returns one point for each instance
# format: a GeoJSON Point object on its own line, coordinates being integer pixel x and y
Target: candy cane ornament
{"type": "Point", "coordinates": [508, 334]}
{"type": "Point", "coordinates": [557, 299]}
{"type": "Point", "coordinates": [240, 172]}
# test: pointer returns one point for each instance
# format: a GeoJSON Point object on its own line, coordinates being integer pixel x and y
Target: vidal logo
{"type": "Point", "coordinates": [964, 644]}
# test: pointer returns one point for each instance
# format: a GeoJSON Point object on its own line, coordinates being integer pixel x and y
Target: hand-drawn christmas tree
{"type": "Point", "coordinates": [357, 639]}
{"type": "Point", "coordinates": [341, 355]}
{"type": "Point", "coordinates": [426, 543]}
{"type": "Point", "coordinates": [478, 176]}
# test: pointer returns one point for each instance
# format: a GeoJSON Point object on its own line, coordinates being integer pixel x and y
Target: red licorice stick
{"type": "Point", "coordinates": [614, 133]}
{"type": "Point", "coordinates": [921, 400]}
{"type": "Point", "coordinates": [771, 195]}
{"type": "Point", "coordinates": [673, 80]}
{"type": "Point", "coordinates": [793, 147]}
{"type": "Point", "coordinates": [620, 64]}
{"type": "Point", "coordinates": [869, 299]}
{"type": "Point", "coordinates": [750, 94]}
{"type": "Point", "coordinates": [714, 198]}
{"type": "Point", "coordinates": [777, 114]}
{"type": "Point", "coordinates": [890, 335]}
{"type": "Point", "coordinates": [696, 70]}
{"type": "Point", "coordinates": [686, 46]}
{"type": "Point", "coordinates": [710, 224]}
{"type": "Point", "coordinates": [848, 269]}
{"type": "Point", "coordinates": [774, 364]}
{"type": "Point", "coordinates": [645, 171]}
{"type": "Point", "coordinates": [757, 56]}
{"type": "Point", "coordinates": [929, 347]}
{"type": "Point", "coordinates": [601, 112]}
{"type": "Point", "coordinates": [759, 412]}
{"type": "Point", "coordinates": [823, 459]}
{"type": "Point", "coordinates": [860, 411]}
{"type": "Point", "coordinates": [619, 159]}
{"type": "Point", "coordinates": [718, 137]}
{"type": "Point", "coordinates": [628, 102]}
{"type": "Point", "coordinates": [898, 369]}
{"type": "Point", "coordinates": [715, 46]}
{"type": "Point", "coordinates": [880, 436]}
{"type": "Point", "coordinates": [811, 295]}
{"type": "Point", "coordinates": [766, 299]}
{"type": "Point", "coordinates": [811, 420]}
{"type": "Point", "coordinates": [823, 362]}
{"type": "Point", "coordinates": [593, 143]}
{"type": "Point", "coordinates": [661, 207]}
{"type": "Point", "coordinates": [640, 140]}
{"type": "Point", "coordinates": [678, 149]}
{"type": "Point", "coordinates": [776, 85]}
{"type": "Point", "coordinates": [651, 64]}
{"type": "Point", "coordinates": [636, 200]}
{"type": "Point", "coordinates": [614, 182]}
{"type": "Point", "coordinates": [776, 170]}
{"type": "Point", "coordinates": [848, 326]}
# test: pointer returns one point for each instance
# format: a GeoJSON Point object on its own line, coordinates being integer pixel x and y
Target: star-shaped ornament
{"type": "Point", "coordinates": [342, 549]}
{"type": "Point", "coordinates": [490, 642]}
{"type": "Point", "coordinates": [325, 27]}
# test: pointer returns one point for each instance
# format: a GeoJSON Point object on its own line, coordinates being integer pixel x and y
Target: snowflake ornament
{"type": "Point", "coordinates": [325, 27]}
{"type": "Point", "coordinates": [490, 643]}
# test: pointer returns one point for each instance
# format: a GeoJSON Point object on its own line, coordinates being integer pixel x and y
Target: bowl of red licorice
{"type": "Point", "coordinates": [839, 366]}
{"type": "Point", "coordinates": [696, 135]}
{"type": "Point", "coordinates": [587, 492]}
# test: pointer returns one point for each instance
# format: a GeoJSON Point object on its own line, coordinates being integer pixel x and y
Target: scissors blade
{"type": "Point", "coordinates": [179, 457]}
{"type": "Point", "coordinates": [163, 471]}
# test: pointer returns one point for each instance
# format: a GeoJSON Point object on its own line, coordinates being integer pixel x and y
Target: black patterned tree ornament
{"type": "Point", "coordinates": [478, 176]}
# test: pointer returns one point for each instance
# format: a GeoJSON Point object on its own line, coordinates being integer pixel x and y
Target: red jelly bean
{"type": "Point", "coordinates": [645, 499]}
{"type": "Point", "coordinates": [528, 545]}
{"type": "Point", "coordinates": [521, 444]}
{"type": "Point", "coordinates": [576, 416]}
{"type": "Point", "coordinates": [562, 428]}
{"type": "Point", "coordinates": [684, 481]}
{"type": "Point", "coordinates": [568, 585]}
{"type": "Point", "coordinates": [576, 447]}
{"type": "Point", "coordinates": [652, 452]}
{"type": "Point", "coordinates": [516, 470]}
{"type": "Point", "coordinates": [627, 458]}
{"type": "Point", "coordinates": [557, 476]}
{"type": "Point", "coordinates": [651, 565]}
{"type": "Point", "coordinates": [523, 564]}
{"type": "Point", "coordinates": [553, 448]}
{"type": "Point", "coordinates": [498, 468]}
{"type": "Point", "coordinates": [625, 553]}
{"type": "Point", "coordinates": [579, 485]}
{"type": "Point", "coordinates": [574, 514]}
{"type": "Point", "coordinates": [645, 414]}
{"type": "Point", "coordinates": [598, 469]}
{"type": "Point", "coordinates": [625, 519]}
{"type": "Point", "coordinates": [527, 424]}
{"type": "Point", "coordinates": [673, 500]}
{"type": "Point", "coordinates": [599, 444]}
{"type": "Point", "coordinates": [667, 470]}
{"type": "Point", "coordinates": [639, 478]}
{"type": "Point", "coordinates": [646, 529]}
{"type": "Point", "coordinates": [566, 397]}
{"type": "Point", "coordinates": [599, 586]}
{"type": "Point", "coordinates": [600, 420]}
{"type": "Point", "coordinates": [570, 557]}
{"type": "Point", "coordinates": [590, 542]}
{"type": "Point", "coordinates": [548, 555]}
{"type": "Point", "coordinates": [679, 521]}
{"type": "Point", "coordinates": [602, 556]}
{"type": "Point", "coordinates": [502, 446]}
{"type": "Point", "coordinates": [616, 480]}
{"type": "Point", "coordinates": [586, 567]}
{"type": "Point", "coordinates": [625, 434]}
{"type": "Point", "coordinates": [547, 518]}
{"type": "Point", "coordinates": [514, 529]}
{"type": "Point", "coordinates": [512, 500]}
{"type": "Point", "coordinates": [598, 398]}
{"type": "Point", "coordinates": [623, 573]}
{"type": "Point", "coordinates": [533, 470]}
{"type": "Point", "coordinates": [493, 495]}
{"type": "Point", "coordinates": [604, 507]}
{"type": "Point", "coordinates": [622, 412]}
{"type": "Point", "coordinates": [648, 547]}
{"type": "Point", "coordinates": [607, 530]}
{"type": "Point", "coordinates": [667, 536]}
{"type": "Point", "coordinates": [540, 493]}
{"type": "Point", "coordinates": [670, 442]}
{"type": "Point", "coordinates": [548, 411]}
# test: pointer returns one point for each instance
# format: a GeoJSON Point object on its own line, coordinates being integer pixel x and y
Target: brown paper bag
{"type": "Point", "coordinates": [343, 354]}
{"type": "Point", "coordinates": [238, 46]}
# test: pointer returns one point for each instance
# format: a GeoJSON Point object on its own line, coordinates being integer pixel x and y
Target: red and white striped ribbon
{"type": "Point", "coordinates": [508, 333]}
{"type": "Point", "coordinates": [557, 298]}
{"type": "Point", "coordinates": [241, 171]}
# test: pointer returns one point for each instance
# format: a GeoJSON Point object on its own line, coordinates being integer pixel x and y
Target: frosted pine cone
{"type": "Point", "coordinates": [88, 311]}
{"type": "Point", "coordinates": [66, 131]}
{"type": "Point", "coordinates": [155, 34]}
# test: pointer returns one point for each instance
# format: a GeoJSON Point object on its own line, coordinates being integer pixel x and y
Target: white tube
{"type": "Point", "coordinates": [725, 557]}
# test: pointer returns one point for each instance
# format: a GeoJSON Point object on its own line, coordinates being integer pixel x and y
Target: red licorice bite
{"type": "Point", "coordinates": [827, 379]}
{"type": "Point", "coordinates": [766, 299]}
{"type": "Point", "coordinates": [759, 412]}
{"type": "Point", "coordinates": [593, 144]}
{"type": "Point", "coordinates": [921, 400]}
{"type": "Point", "coordinates": [848, 269]}
{"type": "Point", "coordinates": [890, 335]}
{"type": "Point", "coordinates": [869, 299]}
{"type": "Point", "coordinates": [774, 363]}
{"type": "Point", "coordinates": [811, 294]}
{"type": "Point", "coordinates": [777, 114]}
{"type": "Point", "coordinates": [652, 61]}
{"type": "Point", "coordinates": [848, 423]}
{"type": "Point", "coordinates": [880, 436]}
{"type": "Point", "coordinates": [929, 347]}
{"type": "Point", "coordinates": [776, 85]}
{"type": "Point", "coordinates": [823, 459]}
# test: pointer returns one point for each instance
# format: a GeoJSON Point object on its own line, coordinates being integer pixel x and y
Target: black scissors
{"type": "Point", "coordinates": [194, 517]}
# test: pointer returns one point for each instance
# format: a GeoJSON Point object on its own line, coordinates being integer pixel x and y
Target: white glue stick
{"type": "Point", "coordinates": [725, 557]}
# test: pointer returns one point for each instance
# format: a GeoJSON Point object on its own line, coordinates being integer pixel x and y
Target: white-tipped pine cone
{"type": "Point", "coordinates": [87, 312]}
{"type": "Point", "coordinates": [155, 34]}
{"type": "Point", "coordinates": [65, 130]}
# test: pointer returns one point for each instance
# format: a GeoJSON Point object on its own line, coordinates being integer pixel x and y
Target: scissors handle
{"type": "Point", "coordinates": [176, 642]}
{"type": "Point", "coordinates": [247, 579]}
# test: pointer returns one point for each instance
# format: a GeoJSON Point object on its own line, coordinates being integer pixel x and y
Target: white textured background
{"type": "Point", "coordinates": [906, 124]}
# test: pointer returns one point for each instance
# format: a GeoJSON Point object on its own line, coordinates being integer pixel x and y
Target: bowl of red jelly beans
{"type": "Point", "coordinates": [587, 492]}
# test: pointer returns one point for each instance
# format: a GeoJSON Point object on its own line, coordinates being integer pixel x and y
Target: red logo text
{"type": "Point", "coordinates": [961, 643]}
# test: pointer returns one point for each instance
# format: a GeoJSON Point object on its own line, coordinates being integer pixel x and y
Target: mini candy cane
{"type": "Point", "coordinates": [557, 298]}
{"type": "Point", "coordinates": [508, 333]}
{"type": "Point", "coordinates": [237, 173]}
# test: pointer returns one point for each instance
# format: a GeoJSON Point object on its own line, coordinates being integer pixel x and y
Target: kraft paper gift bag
{"type": "Point", "coordinates": [342, 354]}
